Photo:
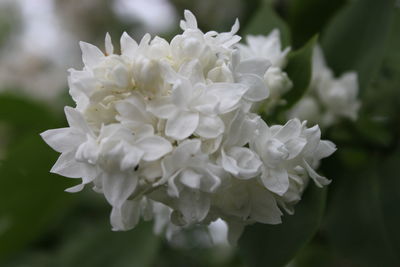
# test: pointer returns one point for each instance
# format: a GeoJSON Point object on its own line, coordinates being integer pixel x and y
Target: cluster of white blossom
{"type": "Point", "coordinates": [165, 130]}
{"type": "Point", "coordinates": [328, 98]}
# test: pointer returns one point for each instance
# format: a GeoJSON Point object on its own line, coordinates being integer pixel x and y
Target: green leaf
{"type": "Point", "coordinates": [389, 186]}
{"type": "Point", "coordinates": [356, 37]}
{"type": "Point", "coordinates": [24, 113]}
{"type": "Point", "coordinates": [264, 21]}
{"type": "Point", "coordinates": [95, 245]}
{"type": "Point", "coordinates": [31, 198]}
{"type": "Point", "coordinates": [376, 122]}
{"type": "Point", "coordinates": [91, 243]}
{"type": "Point", "coordinates": [307, 18]}
{"type": "Point", "coordinates": [275, 245]}
{"type": "Point", "coordinates": [299, 69]}
{"type": "Point", "coordinates": [354, 225]}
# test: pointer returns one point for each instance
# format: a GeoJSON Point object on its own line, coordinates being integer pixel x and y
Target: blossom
{"type": "Point", "coordinates": [270, 48]}
{"type": "Point", "coordinates": [329, 99]}
{"type": "Point", "coordinates": [165, 131]}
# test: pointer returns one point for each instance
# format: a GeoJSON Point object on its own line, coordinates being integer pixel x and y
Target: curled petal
{"type": "Point", "coordinates": [319, 180]}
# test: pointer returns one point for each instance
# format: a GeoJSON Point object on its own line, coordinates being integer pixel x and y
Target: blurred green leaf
{"type": "Point", "coordinates": [264, 21]}
{"type": "Point", "coordinates": [31, 198]}
{"type": "Point", "coordinates": [23, 116]}
{"type": "Point", "coordinates": [354, 225]}
{"type": "Point", "coordinates": [299, 69]}
{"type": "Point", "coordinates": [307, 18]}
{"type": "Point", "coordinates": [95, 245]}
{"type": "Point", "coordinates": [389, 186]}
{"type": "Point", "coordinates": [275, 245]}
{"type": "Point", "coordinates": [378, 122]}
{"type": "Point", "coordinates": [356, 37]}
{"type": "Point", "coordinates": [25, 113]}
{"type": "Point", "coordinates": [91, 243]}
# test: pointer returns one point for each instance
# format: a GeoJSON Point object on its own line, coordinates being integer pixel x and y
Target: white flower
{"type": "Point", "coordinates": [329, 98]}
{"type": "Point", "coordinates": [235, 158]}
{"type": "Point", "coordinates": [287, 151]}
{"type": "Point", "coordinates": [306, 109]}
{"type": "Point", "coordinates": [165, 130]}
{"type": "Point", "coordinates": [269, 48]}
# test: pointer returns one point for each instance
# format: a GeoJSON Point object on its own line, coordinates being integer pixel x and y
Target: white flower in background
{"type": "Point", "coordinates": [165, 130]}
{"type": "Point", "coordinates": [329, 98]}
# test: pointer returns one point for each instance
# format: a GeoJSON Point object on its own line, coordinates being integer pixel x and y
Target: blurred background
{"type": "Point", "coordinates": [353, 223]}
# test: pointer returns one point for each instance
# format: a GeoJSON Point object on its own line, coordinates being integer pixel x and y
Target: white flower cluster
{"type": "Point", "coordinates": [165, 130]}
{"type": "Point", "coordinates": [329, 98]}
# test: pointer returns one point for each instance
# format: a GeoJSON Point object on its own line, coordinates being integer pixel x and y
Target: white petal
{"type": "Point", "coordinates": [133, 110]}
{"type": "Point", "coordinates": [128, 46]}
{"type": "Point", "coordinates": [91, 55]}
{"type": "Point", "coordinates": [324, 149]}
{"type": "Point", "coordinates": [190, 178]}
{"type": "Point", "coordinates": [109, 46]}
{"type": "Point", "coordinates": [190, 21]}
{"type": "Point", "coordinates": [290, 130]}
{"type": "Point", "coordinates": [295, 146]}
{"type": "Point", "coordinates": [228, 94]}
{"type": "Point", "coordinates": [117, 187]}
{"type": "Point", "coordinates": [229, 163]}
{"type": "Point", "coordinates": [193, 205]}
{"type": "Point", "coordinates": [182, 94]}
{"type": "Point", "coordinates": [76, 120]}
{"type": "Point", "coordinates": [276, 180]}
{"type": "Point", "coordinates": [67, 166]}
{"type": "Point", "coordinates": [88, 151]}
{"type": "Point", "coordinates": [213, 180]}
{"type": "Point", "coordinates": [219, 232]}
{"type": "Point", "coordinates": [209, 146]}
{"type": "Point", "coordinates": [122, 76]}
{"type": "Point", "coordinates": [62, 139]}
{"type": "Point", "coordinates": [182, 125]}
{"type": "Point", "coordinates": [75, 189]}
{"type": "Point", "coordinates": [264, 207]}
{"type": "Point", "coordinates": [154, 147]}
{"type": "Point", "coordinates": [206, 104]}
{"type": "Point", "coordinates": [241, 162]}
{"type": "Point", "coordinates": [193, 71]}
{"type": "Point", "coordinates": [162, 107]}
{"type": "Point", "coordinates": [257, 89]}
{"type": "Point", "coordinates": [210, 127]}
{"type": "Point", "coordinates": [151, 171]}
{"type": "Point", "coordinates": [131, 159]}
{"type": "Point", "coordinates": [313, 136]}
{"type": "Point", "coordinates": [125, 217]}
{"type": "Point", "coordinates": [319, 180]}
{"type": "Point", "coordinates": [256, 66]}
{"type": "Point", "coordinates": [173, 188]}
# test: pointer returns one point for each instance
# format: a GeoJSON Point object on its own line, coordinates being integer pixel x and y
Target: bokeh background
{"type": "Point", "coordinates": [355, 222]}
